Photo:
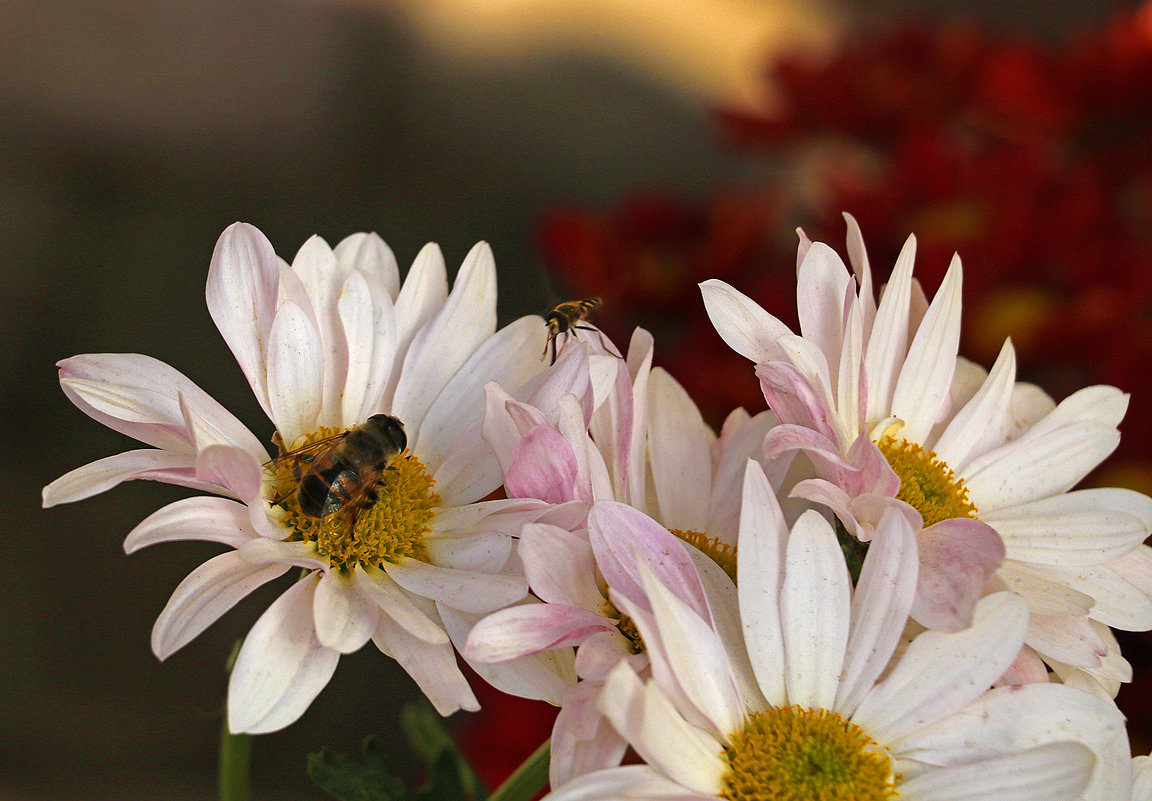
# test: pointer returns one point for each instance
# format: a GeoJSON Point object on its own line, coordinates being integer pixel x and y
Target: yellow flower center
{"type": "Point", "coordinates": [926, 483]}
{"type": "Point", "coordinates": [719, 552]}
{"type": "Point", "coordinates": [386, 519]}
{"type": "Point", "coordinates": [796, 754]}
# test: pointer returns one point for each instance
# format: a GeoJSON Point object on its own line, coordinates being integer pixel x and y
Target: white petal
{"type": "Point", "coordinates": [441, 347]}
{"type": "Point", "coordinates": [760, 572]}
{"type": "Point", "coordinates": [1030, 468]}
{"type": "Point", "coordinates": [394, 602]}
{"type": "Point", "coordinates": [940, 672]}
{"type": "Point", "coordinates": [241, 292]}
{"type": "Point", "coordinates": [459, 589]}
{"type": "Point", "coordinates": [922, 387]}
{"type": "Point", "coordinates": [210, 519]}
{"type": "Point", "coordinates": [1010, 719]}
{"type": "Point", "coordinates": [583, 740]}
{"type": "Point", "coordinates": [323, 281]}
{"type": "Point", "coordinates": [345, 618]}
{"type": "Point", "coordinates": [888, 341]}
{"type": "Point", "coordinates": [985, 420]}
{"type": "Point", "coordinates": [506, 358]}
{"type": "Point", "coordinates": [368, 320]}
{"type": "Point", "coordinates": [678, 444]}
{"type": "Point", "coordinates": [370, 255]}
{"type": "Point", "coordinates": [432, 667]}
{"type": "Point", "coordinates": [821, 282]}
{"type": "Point", "coordinates": [560, 566]}
{"type": "Point", "coordinates": [880, 607]}
{"type": "Point", "coordinates": [627, 783]}
{"type": "Point", "coordinates": [696, 655]}
{"type": "Point", "coordinates": [468, 474]}
{"type": "Point", "coordinates": [295, 373]}
{"type": "Point", "coordinates": [662, 738]}
{"type": "Point", "coordinates": [530, 627]}
{"type": "Point", "coordinates": [141, 396]}
{"type": "Point", "coordinates": [281, 667]}
{"type": "Point", "coordinates": [742, 323]}
{"type": "Point", "coordinates": [815, 607]}
{"type": "Point", "coordinates": [543, 676]}
{"type": "Point", "coordinates": [207, 593]}
{"type": "Point", "coordinates": [1053, 772]}
{"type": "Point", "coordinates": [1118, 603]}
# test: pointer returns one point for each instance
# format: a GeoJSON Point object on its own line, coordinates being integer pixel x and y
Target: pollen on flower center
{"type": "Point", "coordinates": [796, 754]}
{"type": "Point", "coordinates": [626, 625]}
{"type": "Point", "coordinates": [926, 482]}
{"type": "Point", "coordinates": [719, 552]}
{"type": "Point", "coordinates": [372, 532]}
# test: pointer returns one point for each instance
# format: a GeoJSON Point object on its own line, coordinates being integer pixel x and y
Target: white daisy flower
{"type": "Point", "coordinates": [325, 343]}
{"type": "Point", "coordinates": [819, 710]}
{"type": "Point", "coordinates": [876, 396]}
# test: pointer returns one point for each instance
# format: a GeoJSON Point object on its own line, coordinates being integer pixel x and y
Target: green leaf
{"type": "Point", "coordinates": [425, 732]}
{"type": "Point", "coordinates": [350, 779]}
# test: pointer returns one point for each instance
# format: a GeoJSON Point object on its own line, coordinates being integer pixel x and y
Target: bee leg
{"type": "Point", "coordinates": [553, 341]}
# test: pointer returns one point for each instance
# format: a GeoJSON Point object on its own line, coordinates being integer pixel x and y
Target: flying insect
{"type": "Point", "coordinates": [565, 319]}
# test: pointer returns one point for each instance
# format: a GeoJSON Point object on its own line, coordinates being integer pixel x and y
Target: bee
{"type": "Point", "coordinates": [565, 319]}
{"type": "Point", "coordinates": [339, 474]}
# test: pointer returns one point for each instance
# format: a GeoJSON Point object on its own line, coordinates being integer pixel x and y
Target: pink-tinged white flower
{"type": "Point", "coordinates": [877, 397]}
{"type": "Point", "coordinates": [807, 702]}
{"type": "Point", "coordinates": [324, 343]}
{"type": "Point", "coordinates": [641, 441]}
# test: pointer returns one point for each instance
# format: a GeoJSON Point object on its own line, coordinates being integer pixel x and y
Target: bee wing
{"type": "Point", "coordinates": [302, 454]}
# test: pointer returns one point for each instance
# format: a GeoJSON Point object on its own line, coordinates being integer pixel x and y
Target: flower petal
{"type": "Point", "coordinates": [345, 618]}
{"type": "Point", "coordinates": [922, 388]}
{"type": "Point", "coordinates": [941, 672]}
{"type": "Point", "coordinates": [295, 373]}
{"type": "Point", "coordinates": [531, 627]}
{"type": "Point", "coordinates": [956, 557]}
{"type": "Point", "coordinates": [148, 464]}
{"type": "Point", "coordinates": [1055, 772]}
{"type": "Point", "coordinates": [742, 323]}
{"type": "Point", "coordinates": [207, 593]}
{"type": "Point", "coordinates": [888, 339]}
{"type": "Point", "coordinates": [660, 735]}
{"type": "Point", "coordinates": [432, 666]}
{"type": "Point", "coordinates": [760, 572]}
{"type": "Point", "coordinates": [210, 519]}
{"type": "Point", "coordinates": [368, 321]}
{"type": "Point", "coordinates": [395, 602]}
{"type": "Point", "coordinates": [370, 255]}
{"type": "Point", "coordinates": [678, 446]}
{"type": "Point", "coordinates": [815, 605]}
{"type": "Point", "coordinates": [241, 293]}
{"type": "Point", "coordinates": [442, 347]}
{"type": "Point", "coordinates": [459, 589]}
{"type": "Point", "coordinates": [281, 667]}
{"type": "Point", "coordinates": [560, 566]}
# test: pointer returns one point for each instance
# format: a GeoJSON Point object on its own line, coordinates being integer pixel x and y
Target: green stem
{"type": "Point", "coordinates": [235, 756]}
{"type": "Point", "coordinates": [529, 778]}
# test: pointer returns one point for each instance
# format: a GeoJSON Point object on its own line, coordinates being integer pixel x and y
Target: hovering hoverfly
{"type": "Point", "coordinates": [565, 319]}
{"type": "Point", "coordinates": [339, 474]}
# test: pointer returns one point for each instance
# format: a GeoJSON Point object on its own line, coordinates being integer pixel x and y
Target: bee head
{"type": "Point", "coordinates": [391, 429]}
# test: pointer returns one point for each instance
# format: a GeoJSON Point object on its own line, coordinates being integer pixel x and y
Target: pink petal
{"type": "Point", "coordinates": [956, 557]}
{"type": "Point", "coordinates": [543, 466]}
{"type": "Point", "coordinates": [528, 628]}
{"type": "Point", "coordinates": [621, 536]}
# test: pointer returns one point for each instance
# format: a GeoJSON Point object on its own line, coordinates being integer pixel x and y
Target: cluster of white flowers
{"type": "Point", "coordinates": [881, 586]}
